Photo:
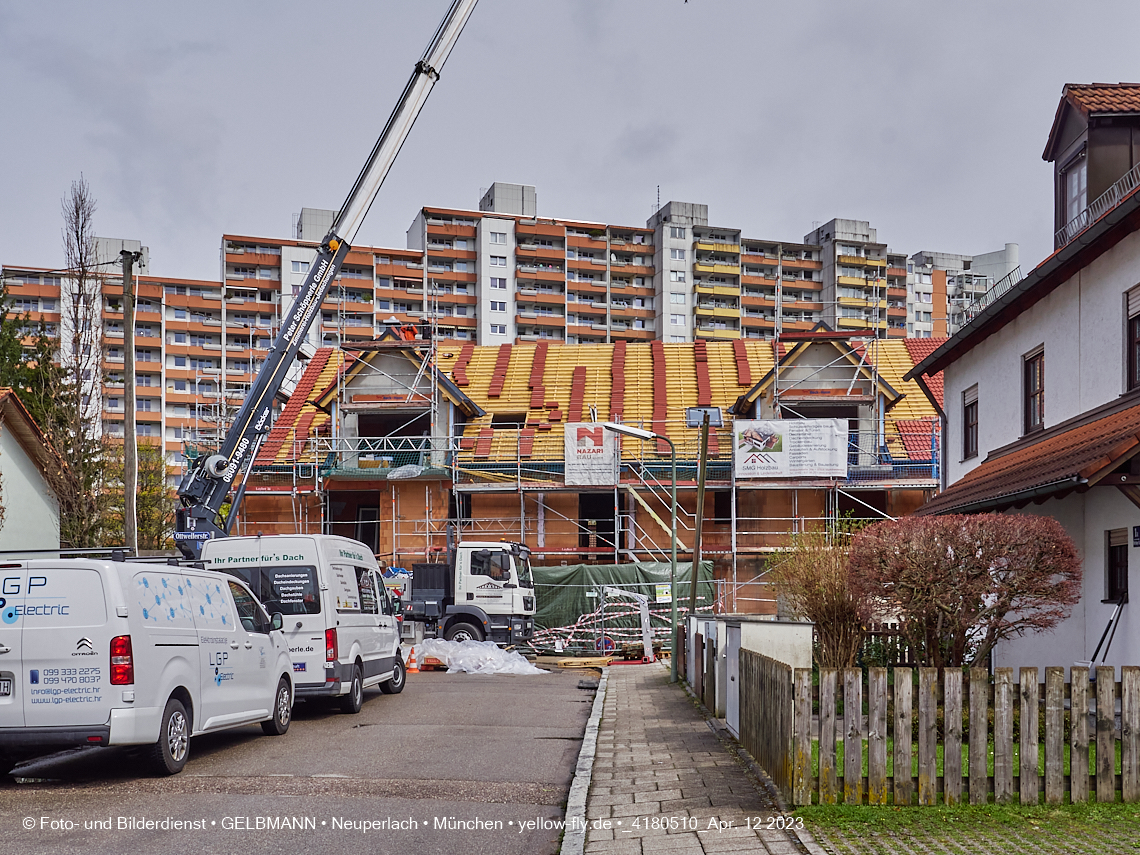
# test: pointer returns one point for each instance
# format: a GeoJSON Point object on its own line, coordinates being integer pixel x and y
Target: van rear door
{"type": "Point", "coordinates": [12, 689]}
{"type": "Point", "coordinates": [66, 645]}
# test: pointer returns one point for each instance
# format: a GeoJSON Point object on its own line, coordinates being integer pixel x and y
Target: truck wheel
{"type": "Point", "coordinates": [395, 684]}
{"type": "Point", "coordinates": [463, 632]}
{"type": "Point", "coordinates": [354, 700]}
{"type": "Point", "coordinates": [282, 711]}
{"type": "Point", "coordinates": [169, 755]}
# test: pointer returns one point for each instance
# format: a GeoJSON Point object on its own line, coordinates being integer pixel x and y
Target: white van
{"type": "Point", "coordinates": [116, 653]}
{"type": "Point", "coordinates": [339, 619]}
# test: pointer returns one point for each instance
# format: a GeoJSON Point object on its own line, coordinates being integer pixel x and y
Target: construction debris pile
{"type": "Point", "coordinates": [476, 657]}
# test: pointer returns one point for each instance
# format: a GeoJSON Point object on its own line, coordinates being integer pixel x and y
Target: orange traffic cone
{"type": "Point", "coordinates": [412, 667]}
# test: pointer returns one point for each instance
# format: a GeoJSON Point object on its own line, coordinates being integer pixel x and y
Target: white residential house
{"type": "Point", "coordinates": [1042, 386]}
{"type": "Point", "coordinates": [31, 509]}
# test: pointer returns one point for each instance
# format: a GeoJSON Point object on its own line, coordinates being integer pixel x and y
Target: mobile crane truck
{"type": "Point", "coordinates": [212, 479]}
{"type": "Point", "coordinates": [485, 592]}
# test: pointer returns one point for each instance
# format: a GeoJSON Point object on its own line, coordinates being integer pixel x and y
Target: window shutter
{"type": "Point", "coordinates": [1118, 537]}
{"type": "Point", "coordinates": [1134, 302]}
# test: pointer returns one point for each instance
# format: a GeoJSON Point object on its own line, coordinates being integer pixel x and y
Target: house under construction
{"type": "Point", "coordinates": [390, 441]}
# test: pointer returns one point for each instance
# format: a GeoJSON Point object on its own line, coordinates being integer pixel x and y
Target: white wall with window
{"type": "Point", "coordinates": [496, 286]}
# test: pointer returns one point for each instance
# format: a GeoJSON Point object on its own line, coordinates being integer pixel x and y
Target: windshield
{"type": "Point", "coordinates": [522, 564]}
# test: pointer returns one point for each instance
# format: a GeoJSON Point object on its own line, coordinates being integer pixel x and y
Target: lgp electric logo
{"type": "Point", "coordinates": [8, 613]}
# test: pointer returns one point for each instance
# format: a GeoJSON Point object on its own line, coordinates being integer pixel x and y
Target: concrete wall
{"type": "Point", "coordinates": [785, 641]}
{"type": "Point", "coordinates": [31, 511]}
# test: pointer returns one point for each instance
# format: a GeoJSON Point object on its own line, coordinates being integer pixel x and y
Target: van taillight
{"type": "Point", "coordinates": [122, 661]}
{"type": "Point", "coordinates": [330, 645]}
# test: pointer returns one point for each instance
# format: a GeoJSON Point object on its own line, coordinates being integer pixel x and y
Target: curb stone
{"type": "Point", "coordinates": [574, 837]}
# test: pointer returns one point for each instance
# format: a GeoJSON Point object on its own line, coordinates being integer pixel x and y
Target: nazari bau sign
{"type": "Point", "coordinates": [590, 454]}
{"type": "Point", "coordinates": [790, 448]}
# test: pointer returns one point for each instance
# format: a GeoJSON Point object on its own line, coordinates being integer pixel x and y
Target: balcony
{"type": "Point", "coordinates": [717, 311]}
{"type": "Point", "coordinates": [1100, 206]}
{"type": "Point", "coordinates": [719, 334]}
{"type": "Point", "coordinates": [708, 246]}
{"type": "Point", "coordinates": [862, 302]}
{"type": "Point", "coordinates": [716, 267]}
{"type": "Point", "coordinates": [720, 290]}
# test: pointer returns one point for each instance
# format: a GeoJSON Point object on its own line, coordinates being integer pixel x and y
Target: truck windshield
{"type": "Point", "coordinates": [522, 564]}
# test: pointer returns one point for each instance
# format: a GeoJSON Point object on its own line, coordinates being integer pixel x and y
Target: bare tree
{"type": "Point", "coordinates": [811, 575]}
{"type": "Point", "coordinates": [74, 425]}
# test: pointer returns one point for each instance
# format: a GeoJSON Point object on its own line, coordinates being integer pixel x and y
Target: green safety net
{"type": "Point", "coordinates": [573, 616]}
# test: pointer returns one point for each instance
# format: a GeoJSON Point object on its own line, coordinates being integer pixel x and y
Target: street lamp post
{"type": "Point", "coordinates": [640, 433]}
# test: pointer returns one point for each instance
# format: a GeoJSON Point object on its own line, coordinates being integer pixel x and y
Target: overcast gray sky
{"type": "Point", "coordinates": [192, 120]}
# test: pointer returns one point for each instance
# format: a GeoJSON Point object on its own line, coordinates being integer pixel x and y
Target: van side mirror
{"type": "Point", "coordinates": [277, 621]}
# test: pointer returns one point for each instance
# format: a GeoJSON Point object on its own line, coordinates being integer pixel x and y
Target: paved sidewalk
{"type": "Point", "coordinates": [665, 781]}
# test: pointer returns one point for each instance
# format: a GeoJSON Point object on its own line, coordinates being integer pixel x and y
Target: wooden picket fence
{"type": "Point", "coordinates": [766, 715]}
{"type": "Point", "coordinates": [888, 716]}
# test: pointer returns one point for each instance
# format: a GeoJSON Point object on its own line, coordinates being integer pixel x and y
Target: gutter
{"type": "Point", "coordinates": [1010, 498]}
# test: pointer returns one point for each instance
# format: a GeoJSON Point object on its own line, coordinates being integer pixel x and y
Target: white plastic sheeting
{"type": "Point", "coordinates": [476, 657]}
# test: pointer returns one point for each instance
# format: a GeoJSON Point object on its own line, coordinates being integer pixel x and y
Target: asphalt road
{"type": "Point", "coordinates": [434, 768]}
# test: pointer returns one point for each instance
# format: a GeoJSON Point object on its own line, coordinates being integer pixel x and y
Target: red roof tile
{"type": "Point", "coordinates": [917, 437]}
{"type": "Point", "coordinates": [1105, 97]}
{"type": "Point", "coordinates": [919, 349]}
{"type": "Point", "coordinates": [1072, 455]}
{"type": "Point", "coordinates": [282, 432]}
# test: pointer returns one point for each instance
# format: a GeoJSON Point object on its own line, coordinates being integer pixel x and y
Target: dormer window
{"type": "Point", "coordinates": [1076, 188]}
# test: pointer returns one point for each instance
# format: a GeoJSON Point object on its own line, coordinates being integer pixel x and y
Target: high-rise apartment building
{"type": "Point", "coordinates": [942, 286]}
{"type": "Point", "coordinates": [863, 284]}
{"type": "Point", "coordinates": [500, 274]}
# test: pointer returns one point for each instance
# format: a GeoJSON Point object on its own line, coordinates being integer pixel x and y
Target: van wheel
{"type": "Point", "coordinates": [282, 711]}
{"type": "Point", "coordinates": [463, 632]}
{"type": "Point", "coordinates": [169, 755]}
{"type": "Point", "coordinates": [354, 700]}
{"type": "Point", "coordinates": [395, 684]}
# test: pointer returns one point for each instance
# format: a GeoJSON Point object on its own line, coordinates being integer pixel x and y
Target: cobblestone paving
{"type": "Point", "coordinates": [666, 783]}
{"type": "Point", "coordinates": [953, 837]}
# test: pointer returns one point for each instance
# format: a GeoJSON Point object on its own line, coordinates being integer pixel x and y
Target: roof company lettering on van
{"type": "Point", "coordinates": [340, 623]}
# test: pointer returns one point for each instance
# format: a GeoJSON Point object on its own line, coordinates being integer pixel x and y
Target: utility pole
{"type": "Point", "coordinates": [702, 474]}
{"type": "Point", "coordinates": [130, 441]}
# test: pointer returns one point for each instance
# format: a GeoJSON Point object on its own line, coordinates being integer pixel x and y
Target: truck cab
{"type": "Point", "coordinates": [485, 592]}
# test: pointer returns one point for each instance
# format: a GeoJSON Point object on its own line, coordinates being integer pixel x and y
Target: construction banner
{"type": "Point", "coordinates": [590, 454]}
{"type": "Point", "coordinates": [790, 448]}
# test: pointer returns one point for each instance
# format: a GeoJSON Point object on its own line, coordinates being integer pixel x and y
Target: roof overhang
{"type": "Point", "coordinates": [1075, 455]}
{"type": "Point", "coordinates": [366, 352]}
{"type": "Point", "coordinates": [1049, 275]}
{"type": "Point", "coordinates": [822, 334]}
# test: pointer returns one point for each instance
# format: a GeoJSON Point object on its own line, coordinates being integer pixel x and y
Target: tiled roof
{"type": "Point", "coordinates": [301, 416]}
{"type": "Point", "coordinates": [616, 381]}
{"type": "Point", "coordinates": [1105, 97]}
{"type": "Point", "coordinates": [919, 349]}
{"type": "Point", "coordinates": [918, 438]}
{"type": "Point", "coordinates": [1072, 455]}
